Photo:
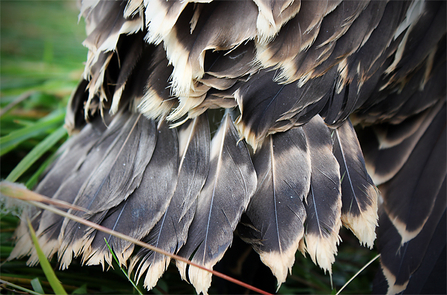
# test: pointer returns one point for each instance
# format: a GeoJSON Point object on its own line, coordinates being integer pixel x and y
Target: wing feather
{"type": "Point", "coordinates": [323, 203]}
{"type": "Point", "coordinates": [230, 184]}
{"type": "Point", "coordinates": [144, 206]}
{"type": "Point", "coordinates": [420, 179]}
{"type": "Point", "coordinates": [170, 233]}
{"type": "Point", "coordinates": [109, 184]}
{"type": "Point", "coordinates": [400, 260]}
{"type": "Point", "coordinates": [50, 223]}
{"type": "Point", "coordinates": [276, 211]}
{"type": "Point", "coordinates": [359, 195]}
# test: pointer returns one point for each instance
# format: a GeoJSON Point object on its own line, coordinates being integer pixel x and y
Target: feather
{"type": "Point", "coordinates": [132, 8]}
{"type": "Point", "coordinates": [215, 29]}
{"type": "Point", "coordinates": [359, 195]}
{"type": "Point", "coordinates": [400, 260]}
{"type": "Point", "coordinates": [422, 37]}
{"type": "Point", "coordinates": [396, 102]}
{"type": "Point", "coordinates": [257, 118]}
{"type": "Point", "coordinates": [129, 150]}
{"type": "Point", "coordinates": [429, 278]}
{"type": "Point", "coordinates": [390, 135]}
{"type": "Point", "coordinates": [276, 211]}
{"type": "Point", "coordinates": [24, 244]}
{"type": "Point", "coordinates": [323, 203]}
{"type": "Point", "coordinates": [73, 150]}
{"type": "Point", "coordinates": [94, 11]}
{"type": "Point", "coordinates": [110, 183]}
{"type": "Point", "coordinates": [384, 163]}
{"type": "Point", "coordinates": [379, 40]}
{"type": "Point", "coordinates": [296, 36]}
{"type": "Point", "coordinates": [230, 184]}
{"type": "Point", "coordinates": [144, 206]}
{"type": "Point", "coordinates": [82, 165]}
{"type": "Point", "coordinates": [106, 31]}
{"type": "Point", "coordinates": [74, 117]}
{"type": "Point", "coordinates": [234, 63]}
{"type": "Point", "coordinates": [427, 93]}
{"type": "Point", "coordinates": [351, 41]}
{"type": "Point", "coordinates": [128, 61]}
{"type": "Point", "coordinates": [420, 179]}
{"type": "Point", "coordinates": [217, 83]}
{"type": "Point", "coordinates": [284, 66]}
{"type": "Point", "coordinates": [315, 92]}
{"type": "Point", "coordinates": [212, 101]}
{"type": "Point", "coordinates": [97, 82]}
{"type": "Point", "coordinates": [276, 108]}
{"type": "Point", "coordinates": [368, 59]}
{"type": "Point", "coordinates": [156, 101]}
{"type": "Point", "coordinates": [272, 15]}
{"type": "Point", "coordinates": [170, 233]}
{"type": "Point", "coordinates": [160, 17]}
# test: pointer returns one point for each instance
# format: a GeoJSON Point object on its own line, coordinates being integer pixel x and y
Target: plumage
{"type": "Point", "coordinates": [423, 172]}
{"type": "Point", "coordinates": [229, 186]}
{"type": "Point", "coordinates": [131, 141]}
{"type": "Point", "coordinates": [156, 99]}
{"type": "Point", "coordinates": [194, 149]}
{"type": "Point", "coordinates": [136, 49]}
{"type": "Point", "coordinates": [78, 155]}
{"type": "Point", "coordinates": [276, 212]}
{"type": "Point", "coordinates": [234, 117]}
{"type": "Point", "coordinates": [423, 37]}
{"type": "Point", "coordinates": [295, 37]}
{"type": "Point", "coordinates": [272, 15]}
{"type": "Point", "coordinates": [386, 162]}
{"type": "Point", "coordinates": [150, 198]}
{"type": "Point", "coordinates": [394, 248]}
{"type": "Point", "coordinates": [281, 107]}
{"type": "Point", "coordinates": [186, 47]}
{"type": "Point", "coordinates": [323, 202]}
{"type": "Point", "coordinates": [359, 195]}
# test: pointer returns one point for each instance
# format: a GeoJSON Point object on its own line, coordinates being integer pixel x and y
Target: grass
{"type": "Point", "coordinates": [41, 63]}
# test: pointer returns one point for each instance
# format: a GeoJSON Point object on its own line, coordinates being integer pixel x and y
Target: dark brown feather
{"type": "Point", "coordinates": [276, 211]}
{"type": "Point", "coordinates": [359, 194]}
{"type": "Point", "coordinates": [323, 202]}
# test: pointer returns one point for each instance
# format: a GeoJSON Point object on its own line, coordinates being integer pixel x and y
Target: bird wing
{"type": "Point", "coordinates": [218, 110]}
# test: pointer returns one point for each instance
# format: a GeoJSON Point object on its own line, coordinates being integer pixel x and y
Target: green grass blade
{"type": "Point", "coordinates": [37, 286]}
{"type": "Point", "coordinates": [124, 272]}
{"type": "Point", "coordinates": [14, 138]}
{"type": "Point", "coordinates": [19, 287]}
{"type": "Point", "coordinates": [36, 153]}
{"type": "Point", "coordinates": [46, 267]}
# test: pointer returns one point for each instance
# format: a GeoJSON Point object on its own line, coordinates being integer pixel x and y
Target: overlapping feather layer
{"type": "Point", "coordinates": [157, 158]}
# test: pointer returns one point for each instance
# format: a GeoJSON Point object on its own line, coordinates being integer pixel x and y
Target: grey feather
{"type": "Point", "coordinates": [113, 179]}
{"type": "Point", "coordinates": [171, 232]}
{"type": "Point", "coordinates": [145, 205]}
{"type": "Point", "coordinates": [230, 184]}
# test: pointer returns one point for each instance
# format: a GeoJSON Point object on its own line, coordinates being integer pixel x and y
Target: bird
{"type": "Point", "coordinates": [279, 121]}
